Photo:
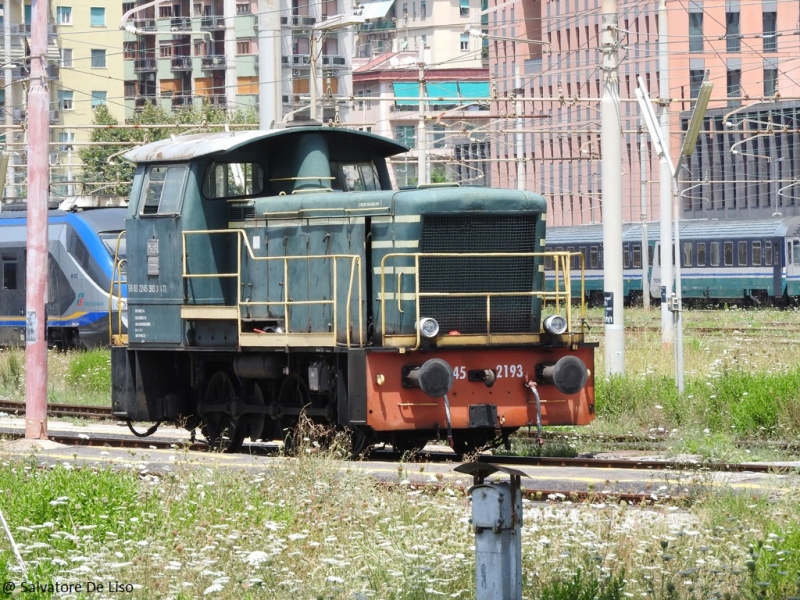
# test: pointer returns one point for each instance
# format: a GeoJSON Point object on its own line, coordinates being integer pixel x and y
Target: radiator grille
{"type": "Point", "coordinates": [478, 234]}
{"type": "Point", "coordinates": [241, 213]}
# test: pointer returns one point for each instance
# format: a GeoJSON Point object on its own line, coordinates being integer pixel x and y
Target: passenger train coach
{"type": "Point", "coordinates": [85, 287]}
{"type": "Point", "coordinates": [753, 262]}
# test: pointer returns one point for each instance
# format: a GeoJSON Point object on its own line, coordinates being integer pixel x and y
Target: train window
{"type": "Point", "coordinates": [701, 254]}
{"type": "Point", "coordinates": [650, 255]}
{"type": "Point", "coordinates": [233, 180]}
{"type": "Point", "coordinates": [768, 253]}
{"type": "Point", "coordinates": [359, 177]}
{"type": "Point", "coordinates": [9, 272]}
{"type": "Point", "coordinates": [714, 247]}
{"type": "Point", "coordinates": [757, 254]}
{"type": "Point", "coordinates": [796, 252]}
{"type": "Point", "coordinates": [594, 257]}
{"type": "Point", "coordinates": [626, 260]}
{"type": "Point", "coordinates": [163, 189]}
{"type": "Point", "coordinates": [742, 254]}
{"type": "Point", "coordinates": [728, 253]}
{"type": "Point", "coordinates": [687, 254]}
{"type": "Point", "coordinates": [548, 262]}
{"type": "Point", "coordinates": [637, 255]}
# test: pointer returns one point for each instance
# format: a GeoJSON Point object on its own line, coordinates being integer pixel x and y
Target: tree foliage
{"type": "Point", "coordinates": [104, 169]}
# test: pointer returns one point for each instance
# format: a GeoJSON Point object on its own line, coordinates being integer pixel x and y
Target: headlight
{"type": "Point", "coordinates": [428, 327]}
{"type": "Point", "coordinates": [555, 324]}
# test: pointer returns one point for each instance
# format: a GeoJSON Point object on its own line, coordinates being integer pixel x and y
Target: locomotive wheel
{"type": "Point", "coordinates": [469, 442]}
{"type": "Point", "coordinates": [359, 440]}
{"type": "Point", "coordinates": [221, 430]}
{"type": "Point", "coordinates": [253, 423]}
{"type": "Point", "coordinates": [408, 442]}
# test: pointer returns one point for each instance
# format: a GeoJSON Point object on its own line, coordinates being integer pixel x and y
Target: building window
{"type": "Point", "coordinates": [695, 32]}
{"type": "Point", "coordinates": [65, 99]}
{"type": "Point", "coordinates": [66, 58]}
{"type": "Point", "coordinates": [243, 9]}
{"type": "Point", "coordinates": [99, 99]}
{"type": "Point", "coordinates": [64, 15]}
{"type": "Point", "coordinates": [130, 89]}
{"type": "Point", "coordinates": [733, 39]}
{"type": "Point", "coordinates": [165, 49]}
{"type": "Point", "coordinates": [98, 16]}
{"type": "Point", "coordinates": [165, 12]}
{"type": "Point", "coordinates": [770, 81]}
{"type": "Point", "coordinates": [423, 10]}
{"type": "Point", "coordinates": [129, 50]}
{"type": "Point", "coordinates": [770, 20]}
{"type": "Point", "coordinates": [66, 138]}
{"type": "Point", "coordinates": [695, 80]}
{"type": "Point", "coordinates": [464, 7]}
{"type": "Point", "coordinates": [243, 47]}
{"type": "Point", "coordinates": [438, 135]}
{"type": "Point", "coordinates": [98, 59]}
{"type": "Point", "coordinates": [464, 41]}
{"type": "Point", "coordinates": [734, 86]}
{"type": "Point", "coordinates": [406, 134]}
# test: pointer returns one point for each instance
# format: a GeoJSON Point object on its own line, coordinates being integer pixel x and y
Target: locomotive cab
{"type": "Point", "coordinates": [274, 274]}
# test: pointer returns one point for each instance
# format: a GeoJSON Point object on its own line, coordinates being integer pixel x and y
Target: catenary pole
{"type": "Point", "coordinates": [269, 52]}
{"type": "Point", "coordinates": [643, 156]}
{"type": "Point", "coordinates": [665, 186]}
{"type": "Point", "coordinates": [36, 258]}
{"type": "Point", "coordinates": [612, 194]}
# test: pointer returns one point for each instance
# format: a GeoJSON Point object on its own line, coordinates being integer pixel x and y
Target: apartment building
{"type": "Point", "coordinates": [547, 53]}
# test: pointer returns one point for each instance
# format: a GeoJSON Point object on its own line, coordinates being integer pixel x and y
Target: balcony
{"type": "Point", "coordinates": [140, 101]}
{"type": "Point", "coordinates": [55, 117]}
{"type": "Point", "coordinates": [17, 115]}
{"type": "Point", "coordinates": [20, 73]}
{"type": "Point", "coordinates": [181, 63]}
{"type": "Point", "coordinates": [20, 28]}
{"type": "Point", "coordinates": [144, 65]}
{"type": "Point", "coordinates": [216, 100]}
{"type": "Point", "coordinates": [213, 23]}
{"type": "Point", "coordinates": [180, 24]}
{"type": "Point", "coordinates": [381, 24]}
{"type": "Point", "coordinates": [212, 63]}
{"type": "Point", "coordinates": [334, 61]}
{"type": "Point", "coordinates": [296, 60]}
{"type": "Point", "coordinates": [299, 21]}
{"type": "Point", "coordinates": [181, 100]}
{"type": "Point", "coordinates": [145, 24]}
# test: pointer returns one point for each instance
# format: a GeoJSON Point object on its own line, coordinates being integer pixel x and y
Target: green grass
{"type": "Point", "coordinates": [306, 529]}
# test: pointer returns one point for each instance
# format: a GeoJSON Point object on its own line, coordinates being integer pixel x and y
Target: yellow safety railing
{"type": "Point", "coordinates": [354, 285]}
{"type": "Point", "coordinates": [560, 296]}
{"type": "Point", "coordinates": [115, 291]}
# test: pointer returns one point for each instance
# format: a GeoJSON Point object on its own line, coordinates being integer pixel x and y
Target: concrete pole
{"type": "Point", "coordinates": [612, 195]}
{"type": "Point", "coordinates": [665, 189]}
{"type": "Point", "coordinates": [229, 17]}
{"type": "Point", "coordinates": [312, 85]}
{"type": "Point", "coordinates": [643, 156]}
{"type": "Point", "coordinates": [7, 81]}
{"type": "Point", "coordinates": [519, 135]}
{"type": "Point", "coordinates": [36, 267]}
{"type": "Point", "coordinates": [422, 152]}
{"type": "Point", "coordinates": [269, 68]}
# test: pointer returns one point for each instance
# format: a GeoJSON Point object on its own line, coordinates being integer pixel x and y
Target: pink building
{"type": "Point", "coordinates": [747, 158]}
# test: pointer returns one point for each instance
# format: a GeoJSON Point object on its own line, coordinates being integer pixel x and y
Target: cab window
{"type": "Point", "coordinates": [359, 177]}
{"type": "Point", "coordinates": [233, 180]}
{"type": "Point", "coordinates": [163, 189]}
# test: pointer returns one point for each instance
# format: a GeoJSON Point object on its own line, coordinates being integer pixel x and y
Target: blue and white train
{"type": "Point", "coordinates": [86, 289]}
{"type": "Point", "coordinates": [755, 262]}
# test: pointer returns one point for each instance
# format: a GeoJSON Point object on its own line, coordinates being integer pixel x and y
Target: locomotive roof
{"type": "Point", "coordinates": [188, 147]}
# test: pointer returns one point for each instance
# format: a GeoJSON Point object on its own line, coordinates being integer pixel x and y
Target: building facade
{"type": "Point", "coordinates": [546, 54]}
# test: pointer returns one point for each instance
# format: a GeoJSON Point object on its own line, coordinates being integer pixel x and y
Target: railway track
{"type": "Point", "coordinates": [61, 410]}
{"type": "Point", "coordinates": [433, 456]}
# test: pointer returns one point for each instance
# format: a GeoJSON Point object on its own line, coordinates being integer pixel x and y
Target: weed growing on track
{"type": "Point", "coordinates": [309, 530]}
